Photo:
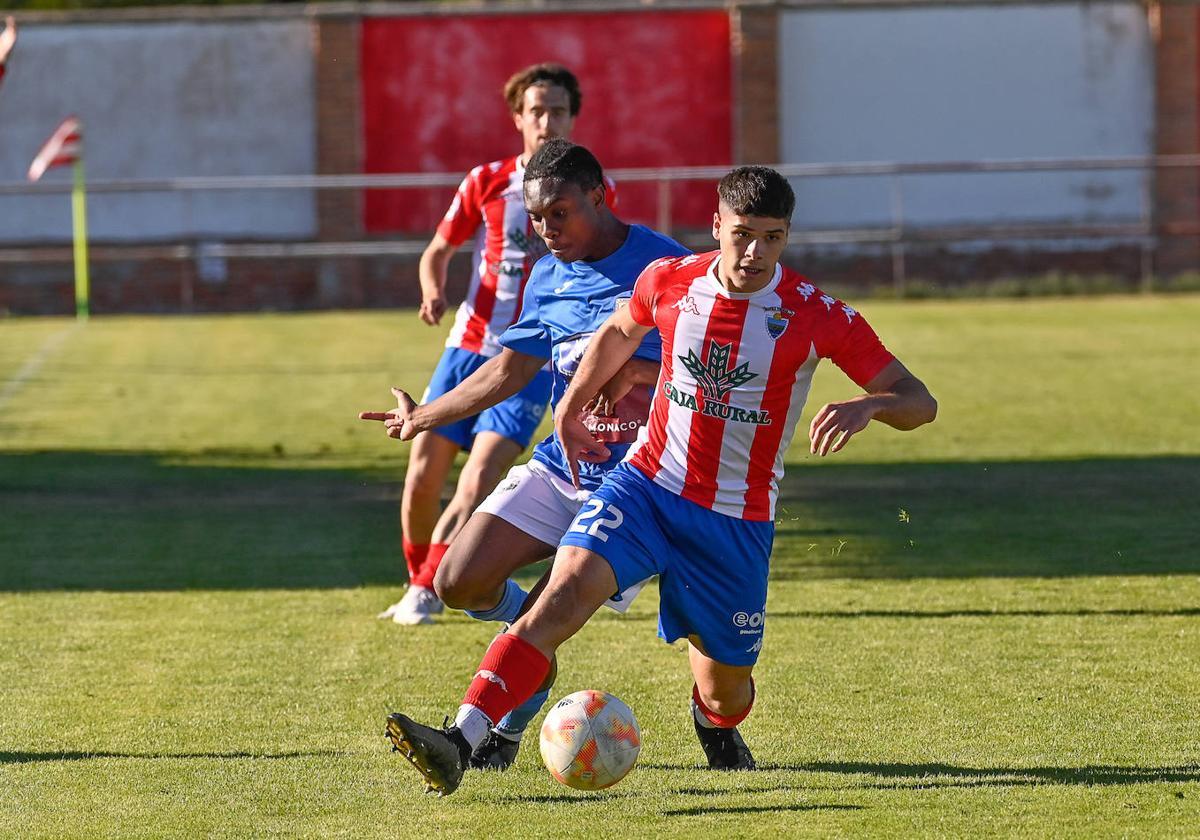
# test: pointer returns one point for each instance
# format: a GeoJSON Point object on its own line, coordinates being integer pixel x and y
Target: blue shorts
{"type": "Point", "coordinates": [517, 418]}
{"type": "Point", "coordinates": [712, 568]}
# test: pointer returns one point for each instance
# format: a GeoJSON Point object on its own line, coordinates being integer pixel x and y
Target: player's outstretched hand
{"type": "Point", "coordinates": [836, 423]}
{"type": "Point", "coordinates": [395, 422]}
{"type": "Point", "coordinates": [432, 309]}
{"type": "Point", "coordinates": [578, 444]}
{"type": "Point", "coordinates": [8, 37]}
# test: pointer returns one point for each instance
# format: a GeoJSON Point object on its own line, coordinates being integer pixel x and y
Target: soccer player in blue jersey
{"type": "Point", "coordinates": [593, 262]}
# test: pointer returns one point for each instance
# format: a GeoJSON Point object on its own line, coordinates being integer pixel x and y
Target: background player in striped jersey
{"type": "Point", "coordinates": [593, 262]}
{"type": "Point", "coordinates": [544, 100]}
{"type": "Point", "coordinates": [694, 502]}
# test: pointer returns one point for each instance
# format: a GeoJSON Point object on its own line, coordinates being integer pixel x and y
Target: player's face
{"type": "Point", "coordinates": [750, 247]}
{"type": "Point", "coordinates": [545, 114]}
{"type": "Point", "coordinates": [566, 217]}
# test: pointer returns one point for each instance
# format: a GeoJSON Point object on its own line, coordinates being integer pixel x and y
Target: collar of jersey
{"type": "Point", "coordinates": [720, 289]}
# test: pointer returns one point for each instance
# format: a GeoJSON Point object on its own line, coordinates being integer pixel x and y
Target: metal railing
{"type": "Point", "coordinates": [899, 235]}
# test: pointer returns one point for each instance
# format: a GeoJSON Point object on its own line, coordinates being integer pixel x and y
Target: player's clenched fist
{"type": "Point", "coordinates": [396, 422]}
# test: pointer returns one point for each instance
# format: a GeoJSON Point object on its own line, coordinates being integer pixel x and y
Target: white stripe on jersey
{"type": "Point", "coordinates": [689, 331]}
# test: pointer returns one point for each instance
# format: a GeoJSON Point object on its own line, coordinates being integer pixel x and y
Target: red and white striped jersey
{"type": "Point", "coordinates": [505, 250]}
{"type": "Point", "coordinates": [736, 370]}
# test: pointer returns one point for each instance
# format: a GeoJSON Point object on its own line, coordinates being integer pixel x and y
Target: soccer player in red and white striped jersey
{"type": "Point", "coordinates": [694, 504]}
{"type": "Point", "coordinates": [544, 100]}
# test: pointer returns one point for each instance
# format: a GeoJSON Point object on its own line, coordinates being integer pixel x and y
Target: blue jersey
{"type": "Point", "coordinates": [563, 307]}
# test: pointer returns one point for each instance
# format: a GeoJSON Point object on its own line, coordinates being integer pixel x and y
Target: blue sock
{"type": "Point", "coordinates": [510, 604]}
{"type": "Point", "coordinates": [513, 724]}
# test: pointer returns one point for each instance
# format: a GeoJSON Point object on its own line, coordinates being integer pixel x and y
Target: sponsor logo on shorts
{"type": "Point", "coordinates": [749, 624]}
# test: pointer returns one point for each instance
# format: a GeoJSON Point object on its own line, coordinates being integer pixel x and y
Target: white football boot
{"type": "Point", "coordinates": [418, 606]}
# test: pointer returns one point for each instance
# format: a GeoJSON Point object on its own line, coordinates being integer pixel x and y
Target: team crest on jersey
{"type": "Point", "coordinates": [777, 320]}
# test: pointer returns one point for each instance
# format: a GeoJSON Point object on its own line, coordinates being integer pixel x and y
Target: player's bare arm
{"type": "Point", "coordinates": [8, 37]}
{"type": "Point", "coordinates": [894, 397]}
{"type": "Point", "coordinates": [495, 381]}
{"type": "Point", "coordinates": [632, 374]}
{"type": "Point", "coordinates": [612, 346]}
{"type": "Point", "coordinates": [435, 262]}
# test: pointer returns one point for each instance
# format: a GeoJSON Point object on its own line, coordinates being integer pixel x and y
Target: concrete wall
{"type": "Point", "coordinates": [164, 100]}
{"type": "Point", "coordinates": [965, 83]}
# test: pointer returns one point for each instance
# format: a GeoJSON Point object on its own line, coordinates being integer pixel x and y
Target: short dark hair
{"type": "Point", "coordinates": [757, 191]}
{"type": "Point", "coordinates": [539, 74]}
{"type": "Point", "coordinates": [562, 160]}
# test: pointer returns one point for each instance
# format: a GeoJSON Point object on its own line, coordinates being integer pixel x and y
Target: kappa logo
{"type": "Point", "coordinates": [777, 320]}
{"type": "Point", "coordinates": [492, 677]}
{"type": "Point", "coordinates": [686, 304]}
{"type": "Point", "coordinates": [850, 313]}
{"type": "Point", "coordinates": [828, 301]}
{"type": "Point", "coordinates": [806, 290]}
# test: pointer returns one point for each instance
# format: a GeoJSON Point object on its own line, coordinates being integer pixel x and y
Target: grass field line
{"type": "Point", "coordinates": [34, 363]}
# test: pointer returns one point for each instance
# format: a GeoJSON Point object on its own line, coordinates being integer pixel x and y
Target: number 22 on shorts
{"type": "Point", "coordinates": [591, 508]}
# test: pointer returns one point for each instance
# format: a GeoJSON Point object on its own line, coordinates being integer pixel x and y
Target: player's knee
{"type": "Point", "coordinates": [422, 485]}
{"type": "Point", "coordinates": [461, 590]}
{"type": "Point", "coordinates": [473, 487]}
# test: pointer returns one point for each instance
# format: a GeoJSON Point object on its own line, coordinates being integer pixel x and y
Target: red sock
{"type": "Point", "coordinates": [414, 557]}
{"type": "Point", "coordinates": [511, 671]}
{"type": "Point", "coordinates": [429, 568]}
{"type": "Point", "coordinates": [723, 721]}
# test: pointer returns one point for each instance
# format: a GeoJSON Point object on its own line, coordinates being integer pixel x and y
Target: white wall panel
{"type": "Point", "coordinates": [965, 83]}
{"type": "Point", "coordinates": [164, 100]}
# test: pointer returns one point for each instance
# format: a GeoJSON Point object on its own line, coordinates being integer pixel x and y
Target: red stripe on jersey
{"type": "Point", "coordinates": [485, 292]}
{"type": "Point", "coordinates": [777, 399]}
{"type": "Point", "coordinates": [725, 325]}
{"type": "Point", "coordinates": [648, 457]}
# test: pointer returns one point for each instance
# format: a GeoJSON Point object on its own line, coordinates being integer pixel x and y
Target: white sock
{"type": "Point", "coordinates": [473, 724]}
{"type": "Point", "coordinates": [700, 718]}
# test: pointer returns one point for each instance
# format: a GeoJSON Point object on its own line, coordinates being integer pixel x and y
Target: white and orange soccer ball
{"type": "Point", "coordinates": [590, 740]}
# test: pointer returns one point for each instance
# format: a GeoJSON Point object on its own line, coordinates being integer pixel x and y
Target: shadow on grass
{"type": "Point", "coordinates": [949, 775]}
{"type": "Point", "coordinates": [32, 757]}
{"type": "Point", "coordinates": [755, 809]}
{"type": "Point", "coordinates": [1186, 612]}
{"type": "Point", "coordinates": [138, 522]}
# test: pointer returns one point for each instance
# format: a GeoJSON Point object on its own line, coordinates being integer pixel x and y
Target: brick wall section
{"type": "Point", "coordinates": [339, 124]}
{"type": "Point", "coordinates": [754, 31]}
{"type": "Point", "coordinates": [1177, 117]}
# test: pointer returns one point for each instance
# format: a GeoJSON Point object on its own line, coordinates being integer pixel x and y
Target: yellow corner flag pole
{"type": "Point", "coordinates": [79, 229]}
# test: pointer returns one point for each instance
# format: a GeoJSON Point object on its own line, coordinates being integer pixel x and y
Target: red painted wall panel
{"type": "Point", "coordinates": [656, 92]}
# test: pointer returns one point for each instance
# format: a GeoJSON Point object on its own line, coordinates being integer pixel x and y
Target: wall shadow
{"type": "Point", "coordinates": [35, 757]}
{"type": "Point", "coordinates": [1095, 516]}
{"type": "Point", "coordinates": [950, 775]}
{"type": "Point", "coordinates": [139, 522]}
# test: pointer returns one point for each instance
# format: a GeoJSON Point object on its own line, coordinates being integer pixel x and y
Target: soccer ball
{"type": "Point", "coordinates": [590, 740]}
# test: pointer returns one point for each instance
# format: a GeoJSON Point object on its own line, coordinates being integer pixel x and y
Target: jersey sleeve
{"type": "Point", "coordinates": [528, 334]}
{"type": "Point", "coordinates": [466, 211]}
{"type": "Point", "coordinates": [853, 346]}
{"type": "Point", "coordinates": [646, 291]}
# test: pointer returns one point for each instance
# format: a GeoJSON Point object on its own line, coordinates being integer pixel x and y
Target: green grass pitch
{"type": "Point", "coordinates": [990, 626]}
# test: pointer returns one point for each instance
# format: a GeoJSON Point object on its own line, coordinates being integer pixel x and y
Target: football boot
{"type": "Point", "coordinates": [440, 755]}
